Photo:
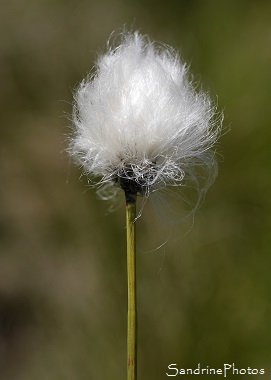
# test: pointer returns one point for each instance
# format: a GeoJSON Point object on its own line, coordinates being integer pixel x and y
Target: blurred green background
{"type": "Point", "coordinates": [205, 297]}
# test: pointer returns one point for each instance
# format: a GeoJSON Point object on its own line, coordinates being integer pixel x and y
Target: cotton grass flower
{"type": "Point", "coordinates": [139, 123]}
{"type": "Point", "coordinates": [140, 126]}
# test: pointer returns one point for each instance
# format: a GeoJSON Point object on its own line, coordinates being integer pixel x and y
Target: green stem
{"type": "Point", "coordinates": [131, 273]}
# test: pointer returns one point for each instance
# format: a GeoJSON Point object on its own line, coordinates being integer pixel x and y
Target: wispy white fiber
{"type": "Point", "coordinates": [139, 119]}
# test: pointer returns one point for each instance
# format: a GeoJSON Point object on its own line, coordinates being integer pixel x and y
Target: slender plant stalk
{"type": "Point", "coordinates": [131, 273]}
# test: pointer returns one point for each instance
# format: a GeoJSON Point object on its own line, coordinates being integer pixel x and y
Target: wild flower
{"type": "Point", "coordinates": [139, 123]}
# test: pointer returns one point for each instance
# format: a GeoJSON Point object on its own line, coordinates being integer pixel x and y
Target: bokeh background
{"type": "Point", "coordinates": [205, 296]}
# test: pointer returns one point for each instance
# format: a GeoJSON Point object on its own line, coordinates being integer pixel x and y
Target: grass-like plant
{"type": "Point", "coordinates": [140, 126]}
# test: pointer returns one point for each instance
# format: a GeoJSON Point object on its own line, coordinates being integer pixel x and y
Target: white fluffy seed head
{"type": "Point", "coordinates": [139, 123]}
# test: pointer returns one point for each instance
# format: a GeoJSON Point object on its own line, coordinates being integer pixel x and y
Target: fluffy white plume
{"type": "Point", "coordinates": [140, 124]}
